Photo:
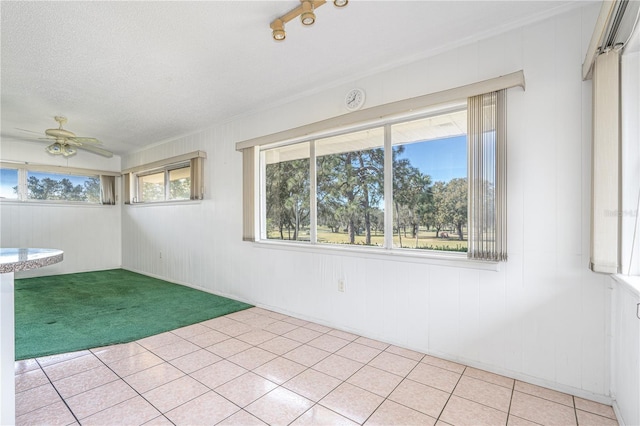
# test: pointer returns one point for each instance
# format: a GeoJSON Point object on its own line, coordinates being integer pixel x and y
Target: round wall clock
{"type": "Point", "coordinates": [354, 99]}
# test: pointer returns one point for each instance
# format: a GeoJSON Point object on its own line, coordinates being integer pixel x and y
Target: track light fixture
{"type": "Point", "coordinates": [306, 12]}
{"type": "Point", "coordinates": [307, 17]}
{"type": "Point", "coordinates": [278, 30]}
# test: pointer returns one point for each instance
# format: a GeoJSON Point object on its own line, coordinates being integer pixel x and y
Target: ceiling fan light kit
{"type": "Point", "coordinates": [306, 12]}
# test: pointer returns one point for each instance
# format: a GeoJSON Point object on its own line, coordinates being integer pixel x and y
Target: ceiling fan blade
{"type": "Point", "coordinates": [82, 140]}
{"type": "Point", "coordinates": [29, 131]}
{"type": "Point", "coordinates": [96, 150]}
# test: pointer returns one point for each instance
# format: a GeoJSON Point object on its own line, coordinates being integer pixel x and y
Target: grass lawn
{"type": "Point", "coordinates": [426, 239]}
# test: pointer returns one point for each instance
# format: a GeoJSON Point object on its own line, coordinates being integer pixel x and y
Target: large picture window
{"type": "Point", "coordinates": [423, 175]}
{"type": "Point", "coordinates": [428, 193]}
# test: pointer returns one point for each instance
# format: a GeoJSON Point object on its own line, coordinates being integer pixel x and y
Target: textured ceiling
{"type": "Point", "coordinates": [137, 73]}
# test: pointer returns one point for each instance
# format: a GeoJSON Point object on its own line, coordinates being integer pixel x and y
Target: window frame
{"type": "Point", "coordinates": [166, 171]}
{"type": "Point", "coordinates": [25, 169]}
{"type": "Point", "coordinates": [194, 160]}
{"type": "Point", "coordinates": [388, 145]}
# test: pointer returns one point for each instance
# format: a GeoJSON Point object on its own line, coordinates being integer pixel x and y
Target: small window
{"type": "Point", "coordinates": [171, 183]}
{"type": "Point", "coordinates": [62, 187]}
{"type": "Point", "coordinates": [8, 184]}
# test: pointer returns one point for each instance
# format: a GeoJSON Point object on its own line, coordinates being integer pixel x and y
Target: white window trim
{"type": "Point", "coordinates": [431, 257]}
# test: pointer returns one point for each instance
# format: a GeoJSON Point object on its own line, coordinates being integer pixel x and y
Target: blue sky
{"type": "Point", "coordinates": [8, 179]}
{"type": "Point", "coordinates": [442, 159]}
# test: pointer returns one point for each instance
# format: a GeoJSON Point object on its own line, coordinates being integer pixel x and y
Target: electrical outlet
{"type": "Point", "coordinates": [341, 286]}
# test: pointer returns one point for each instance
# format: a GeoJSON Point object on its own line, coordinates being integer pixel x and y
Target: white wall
{"type": "Point", "coordinates": [544, 317]}
{"type": "Point", "coordinates": [89, 235]}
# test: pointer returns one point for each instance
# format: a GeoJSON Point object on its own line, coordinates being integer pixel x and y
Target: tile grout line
{"type": "Point", "coordinates": [513, 389]}
{"type": "Point", "coordinates": [395, 387]}
{"type": "Point", "coordinates": [132, 388]}
{"type": "Point", "coordinates": [64, 401]}
{"type": "Point", "coordinates": [450, 395]}
{"type": "Point", "coordinates": [325, 333]}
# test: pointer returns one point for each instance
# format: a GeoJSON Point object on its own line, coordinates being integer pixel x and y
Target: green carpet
{"type": "Point", "coordinates": [65, 313]}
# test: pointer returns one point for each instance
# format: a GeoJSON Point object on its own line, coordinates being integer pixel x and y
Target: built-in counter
{"type": "Point", "coordinates": [14, 260]}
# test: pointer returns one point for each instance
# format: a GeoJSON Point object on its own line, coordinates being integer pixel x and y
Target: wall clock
{"type": "Point", "coordinates": [354, 99]}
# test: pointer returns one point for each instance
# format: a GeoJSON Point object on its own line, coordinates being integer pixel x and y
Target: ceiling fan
{"type": "Point", "coordinates": [66, 142]}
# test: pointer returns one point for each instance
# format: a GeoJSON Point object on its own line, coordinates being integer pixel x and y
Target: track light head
{"type": "Point", "coordinates": [278, 32]}
{"type": "Point", "coordinates": [307, 17]}
{"type": "Point", "coordinates": [340, 3]}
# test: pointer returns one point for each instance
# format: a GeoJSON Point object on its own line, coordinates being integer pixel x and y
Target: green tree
{"type": "Point", "coordinates": [350, 190]}
{"type": "Point", "coordinates": [287, 196]}
{"type": "Point", "coordinates": [152, 191]}
{"type": "Point", "coordinates": [180, 189]}
{"type": "Point", "coordinates": [454, 202]}
{"type": "Point", "coordinates": [92, 189]}
{"type": "Point", "coordinates": [52, 189]}
{"type": "Point", "coordinates": [411, 196]}
{"type": "Point", "coordinates": [436, 215]}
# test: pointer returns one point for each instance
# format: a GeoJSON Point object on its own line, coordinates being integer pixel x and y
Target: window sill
{"type": "Point", "coordinates": [53, 203]}
{"type": "Point", "coordinates": [164, 203]}
{"type": "Point", "coordinates": [631, 282]}
{"type": "Point", "coordinates": [449, 259]}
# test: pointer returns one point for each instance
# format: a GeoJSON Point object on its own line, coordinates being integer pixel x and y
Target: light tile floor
{"type": "Point", "coordinates": [256, 366]}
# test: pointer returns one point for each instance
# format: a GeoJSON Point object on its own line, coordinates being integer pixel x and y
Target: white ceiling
{"type": "Point", "coordinates": [137, 73]}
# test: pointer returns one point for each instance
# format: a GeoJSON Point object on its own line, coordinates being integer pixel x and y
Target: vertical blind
{"type": "Point", "coordinates": [248, 194]}
{"type": "Point", "coordinates": [605, 185]}
{"type": "Point", "coordinates": [107, 189]}
{"type": "Point", "coordinates": [487, 169]}
{"type": "Point", "coordinates": [197, 178]}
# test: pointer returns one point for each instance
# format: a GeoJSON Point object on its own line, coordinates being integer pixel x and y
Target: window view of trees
{"type": "Point", "coordinates": [180, 183]}
{"type": "Point", "coordinates": [429, 187]}
{"type": "Point", "coordinates": [288, 200]}
{"type": "Point", "coordinates": [430, 182]}
{"type": "Point", "coordinates": [152, 187]}
{"type": "Point", "coordinates": [51, 186]}
{"type": "Point", "coordinates": [350, 189]}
